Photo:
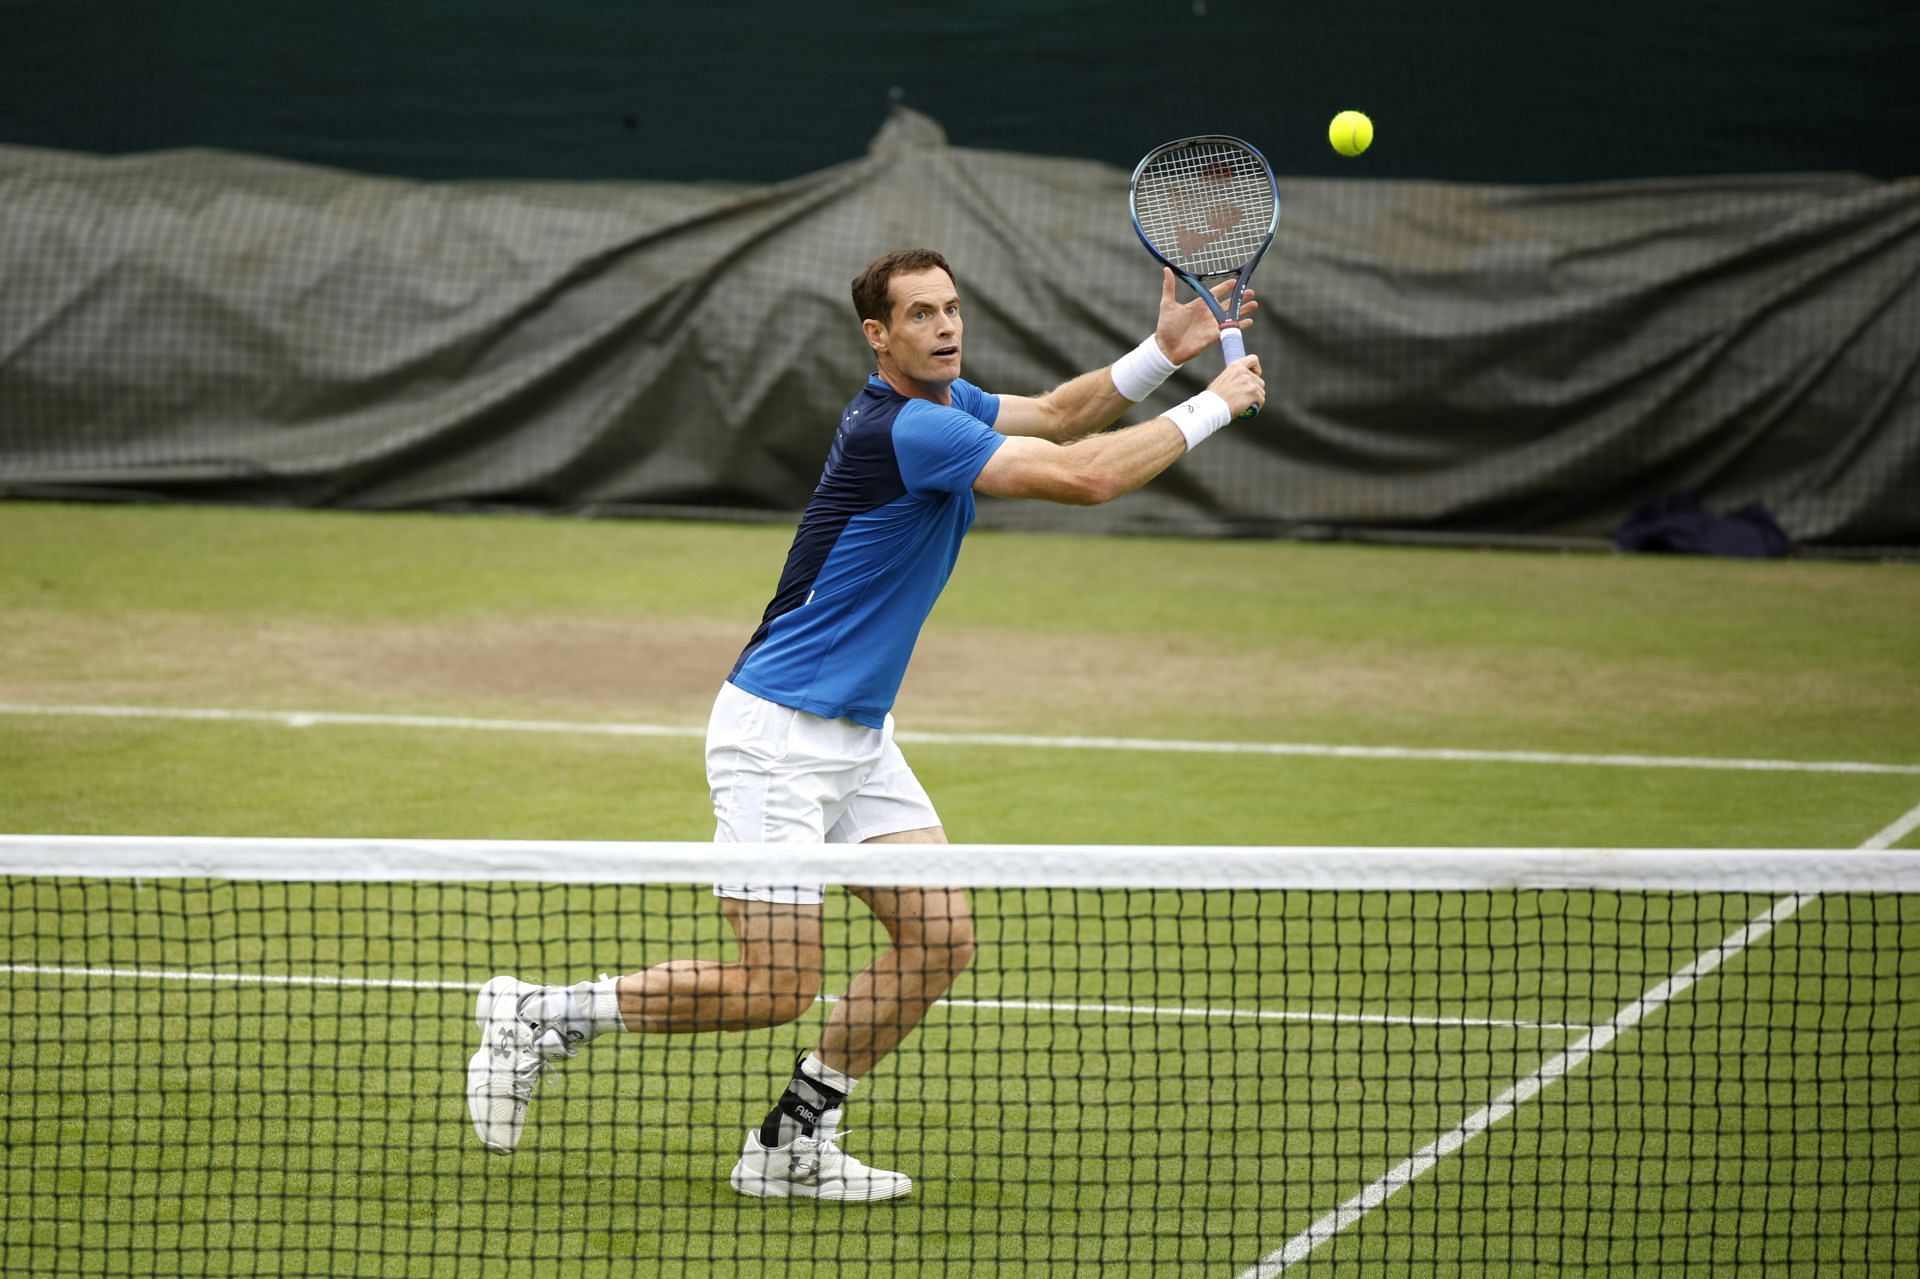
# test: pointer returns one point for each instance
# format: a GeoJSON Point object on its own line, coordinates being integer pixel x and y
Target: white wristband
{"type": "Point", "coordinates": [1140, 371]}
{"type": "Point", "coordinates": [1200, 417]}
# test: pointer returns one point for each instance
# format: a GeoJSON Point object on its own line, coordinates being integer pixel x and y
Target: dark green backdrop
{"type": "Point", "coordinates": [1519, 91]}
{"type": "Point", "coordinates": [1600, 254]}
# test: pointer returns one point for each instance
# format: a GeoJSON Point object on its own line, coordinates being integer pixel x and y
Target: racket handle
{"type": "Point", "coordinates": [1233, 346]}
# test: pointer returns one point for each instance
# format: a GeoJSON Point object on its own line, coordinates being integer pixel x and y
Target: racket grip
{"type": "Point", "coordinates": [1233, 346]}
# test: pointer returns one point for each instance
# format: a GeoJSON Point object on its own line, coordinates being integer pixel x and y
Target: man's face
{"type": "Point", "coordinates": [921, 339]}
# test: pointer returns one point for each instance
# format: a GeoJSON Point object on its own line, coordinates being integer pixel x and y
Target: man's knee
{"type": "Point", "coordinates": [931, 929]}
{"type": "Point", "coordinates": [961, 944]}
{"type": "Point", "coordinates": [780, 954]}
{"type": "Point", "coordinates": [940, 945]}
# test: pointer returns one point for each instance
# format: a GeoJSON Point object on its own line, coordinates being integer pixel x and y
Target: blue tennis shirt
{"type": "Point", "coordinates": [875, 547]}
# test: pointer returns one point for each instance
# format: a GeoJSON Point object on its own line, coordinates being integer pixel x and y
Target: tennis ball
{"type": "Point", "coordinates": [1351, 133]}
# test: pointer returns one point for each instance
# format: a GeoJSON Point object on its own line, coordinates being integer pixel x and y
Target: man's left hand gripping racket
{"type": "Point", "coordinates": [1207, 207]}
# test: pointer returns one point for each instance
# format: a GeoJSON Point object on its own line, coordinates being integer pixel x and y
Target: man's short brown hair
{"type": "Point", "coordinates": [873, 286]}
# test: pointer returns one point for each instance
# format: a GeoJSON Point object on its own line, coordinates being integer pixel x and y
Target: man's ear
{"type": "Point", "coordinates": [876, 335]}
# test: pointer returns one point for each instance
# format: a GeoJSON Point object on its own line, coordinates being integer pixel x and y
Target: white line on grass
{"type": "Point", "coordinates": [1006, 1005]}
{"type": "Point", "coordinates": [1265, 1014]}
{"type": "Point", "coordinates": [243, 979]}
{"type": "Point", "coordinates": [1900, 829]}
{"type": "Point", "coordinates": [1555, 1069]}
{"type": "Point", "coordinates": [312, 719]}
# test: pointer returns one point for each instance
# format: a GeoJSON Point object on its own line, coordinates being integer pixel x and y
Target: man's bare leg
{"type": "Point", "coordinates": [525, 1027]}
{"type": "Point", "coordinates": [794, 1152]}
{"type": "Point", "coordinates": [774, 980]}
{"type": "Point", "coordinates": [933, 940]}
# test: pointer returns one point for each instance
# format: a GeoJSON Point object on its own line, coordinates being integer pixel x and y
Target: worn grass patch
{"type": "Point", "coordinates": [639, 622]}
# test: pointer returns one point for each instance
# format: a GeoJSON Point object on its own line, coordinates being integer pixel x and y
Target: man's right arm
{"type": "Point", "coordinates": [1102, 467]}
{"type": "Point", "coordinates": [1094, 401]}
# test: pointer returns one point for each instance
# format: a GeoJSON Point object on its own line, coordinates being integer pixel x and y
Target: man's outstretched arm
{"type": "Point", "coordinates": [1103, 467]}
{"type": "Point", "coordinates": [1094, 401]}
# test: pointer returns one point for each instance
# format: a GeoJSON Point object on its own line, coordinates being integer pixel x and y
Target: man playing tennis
{"type": "Point", "coordinates": [800, 746]}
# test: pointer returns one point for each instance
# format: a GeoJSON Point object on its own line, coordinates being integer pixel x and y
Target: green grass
{"type": "Point", "coordinates": [1760, 1123]}
{"type": "Point", "coordinates": [239, 565]}
{"type": "Point", "coordinates": [161, 777]}
{"type": "Point", "coordinates": [567, 620]}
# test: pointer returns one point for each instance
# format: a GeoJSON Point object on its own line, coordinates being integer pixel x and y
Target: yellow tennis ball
{"type": "Point", "coordinates": [1351, 133]}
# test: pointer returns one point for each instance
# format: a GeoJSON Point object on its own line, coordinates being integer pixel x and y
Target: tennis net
{"type": "Point", "coordinates": [251, 1056]}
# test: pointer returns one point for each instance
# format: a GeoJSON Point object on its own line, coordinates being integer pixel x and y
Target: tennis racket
{"type": "Point", "coordinates": [1207, 206]}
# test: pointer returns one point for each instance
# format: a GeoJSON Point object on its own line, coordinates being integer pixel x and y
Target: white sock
{"type": "Point", "coordinates": [582, 1010]}
{"type": "Point", "coordinates": [817, 1069]}
{"type": "Point", "coordinates": [604, 998]}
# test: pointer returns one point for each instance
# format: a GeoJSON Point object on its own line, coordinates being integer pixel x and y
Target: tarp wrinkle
{"type": "Point", "coordinates": [1442, 359]}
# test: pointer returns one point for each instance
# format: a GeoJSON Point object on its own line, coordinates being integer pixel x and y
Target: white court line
{"type": "Point", "coordinates": [1011, 1005]}
{"type": "Point", "coordinates": [1898, 831]}
{"type": "Point", "coordinates": [244, 979]}
{"type": "Point", "coordinates": [311, 719]}
{"type": "Point", "coordinates": [1555, 1069]}
{"type": "Point", "coordinates": [1267, 1014]}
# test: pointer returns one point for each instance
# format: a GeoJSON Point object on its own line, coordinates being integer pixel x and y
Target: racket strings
{"type": "Point", "coordinates": [1207, 208]}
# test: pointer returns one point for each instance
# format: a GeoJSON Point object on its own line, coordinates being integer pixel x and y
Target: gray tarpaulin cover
{"type": "Point", "coordinates": [1530, 361]}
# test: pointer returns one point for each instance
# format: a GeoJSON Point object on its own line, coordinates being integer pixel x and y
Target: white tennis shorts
{"type": "Point", "coordinates": [782, 776]}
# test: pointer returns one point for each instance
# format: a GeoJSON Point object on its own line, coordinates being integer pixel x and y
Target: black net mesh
{"type": "Point", "coordinates": [265, 1077]}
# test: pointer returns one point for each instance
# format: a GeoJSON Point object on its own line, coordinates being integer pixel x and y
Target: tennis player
{"type": "Point", "coordinates": [800, 745]}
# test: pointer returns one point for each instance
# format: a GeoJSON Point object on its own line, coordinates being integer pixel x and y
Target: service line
{"type": "Point", "coordinates": [316, 719]}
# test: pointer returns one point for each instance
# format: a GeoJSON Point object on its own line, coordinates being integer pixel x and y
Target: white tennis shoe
{"type": "Point", "coordinates": [513, 1051]}
{"type": "Point", "coordinates": [812, 1168]}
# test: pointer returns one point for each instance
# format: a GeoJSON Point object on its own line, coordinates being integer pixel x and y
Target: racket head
{"type": "Point", "coordinates": [1207, 206]}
